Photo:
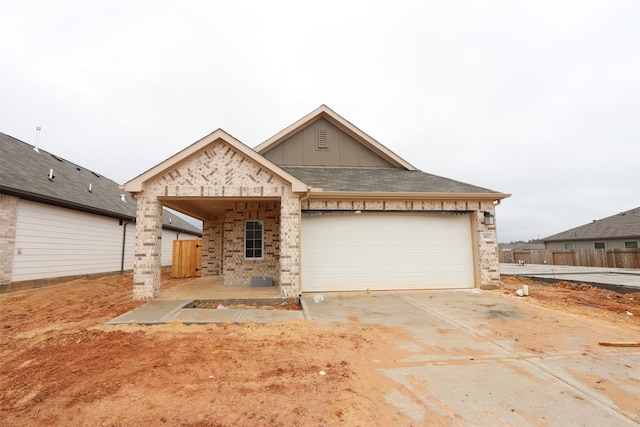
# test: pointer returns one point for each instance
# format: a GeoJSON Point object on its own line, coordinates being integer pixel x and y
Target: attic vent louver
{"type": "Point", "coordinates": [322, 143]}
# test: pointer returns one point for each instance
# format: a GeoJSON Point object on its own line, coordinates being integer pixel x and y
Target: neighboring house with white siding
{"type": "Point", "coordinates": [60, 220]}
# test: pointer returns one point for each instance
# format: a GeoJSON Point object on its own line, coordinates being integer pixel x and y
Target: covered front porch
{"type": "Point", "coordinates": [213, 287]}
{"type": "Point", "coordinates": [250, 210]}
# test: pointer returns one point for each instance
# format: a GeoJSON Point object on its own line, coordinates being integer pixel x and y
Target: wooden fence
{"type": "Point", "coordinates": [187, 258]}
{"type": "Point", "coordinates": [610, 258]}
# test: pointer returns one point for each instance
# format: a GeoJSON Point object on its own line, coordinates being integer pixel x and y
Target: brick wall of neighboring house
{"type": "Point", "coordinates": [485, 240]}
{"type": "Point", "coordinates": [8, 221]}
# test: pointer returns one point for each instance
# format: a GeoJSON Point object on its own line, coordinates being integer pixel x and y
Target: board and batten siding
{"type": "Point", "coordinates": [57, 242]}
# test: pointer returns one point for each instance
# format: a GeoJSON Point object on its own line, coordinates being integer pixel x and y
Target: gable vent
{"type": "Point", "coordinates": [322, 143]}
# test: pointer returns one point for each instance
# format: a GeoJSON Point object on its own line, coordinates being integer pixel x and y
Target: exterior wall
{"type": "Point", "coordinates": [212, 247]}
{"type": "Point", "coordinates": [236, 269]}
{"type": "Point", "coordinates": [56, 242]}
{"type": "Point", "coordinates": [301, 149]}
{"type": "Point", "coordinates": [217, 171]}
{"type": "Point", "coordinates": [8, 224]}
{"type": "Point", "coordinates": [146, 269]}
{"type": "Point", "coordinates": [40, 242]}
{"type": "Point", "coordinates": [290, 222]}
{"type": "Point", "coordinates": [487, 259]}
{"type": "Point", "coordinates": [590, 244]}
{"type": "Point", "coordinates": [484, 237]}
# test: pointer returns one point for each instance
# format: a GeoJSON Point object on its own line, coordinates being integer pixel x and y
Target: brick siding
{"type": "Point", "coordinates": [220, 171]}
{"type": "Point", "coordinates": [8, 221]}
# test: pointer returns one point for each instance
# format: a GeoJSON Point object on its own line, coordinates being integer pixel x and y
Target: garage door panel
{"type": "Point", "coordinates": [385, 252]}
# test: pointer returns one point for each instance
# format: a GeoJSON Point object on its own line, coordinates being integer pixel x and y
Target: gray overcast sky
{"type": "Point", "coordinates": [537, 98]}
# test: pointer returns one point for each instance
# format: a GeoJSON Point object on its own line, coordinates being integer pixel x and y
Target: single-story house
{"type": "Point", "coordinates": [320, 206]}
{"type": "Point", "coordinates": [620, 231]}
{"type": "Point", "coordinates": [60, 220]}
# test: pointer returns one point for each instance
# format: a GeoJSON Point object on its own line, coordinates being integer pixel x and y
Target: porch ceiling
{"type": "Point", "coordinates": [204, 208]}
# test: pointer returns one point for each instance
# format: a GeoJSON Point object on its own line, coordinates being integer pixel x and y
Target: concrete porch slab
{"type": "Point", "coordinates": [204, 315]}
{"type": "Point", "coordinates": [167, 311]}
{"type": "Point", "coordinates": [214, 288]}
{"type": "Point", "coordinates": [151, 313]}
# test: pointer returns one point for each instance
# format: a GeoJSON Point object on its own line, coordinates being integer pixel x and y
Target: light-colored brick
{"type": "Point", "coordinates": [8, 222]}
{"type": "Point", "coordinates": [250, 191]}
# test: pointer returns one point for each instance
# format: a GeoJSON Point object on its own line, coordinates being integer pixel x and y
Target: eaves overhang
{"type": "Point", "coordinates": [316, 193]}
{"type": "Point", "coordinates": [590, 238]}
{"type": "Point", "coordinates": [39, 198]}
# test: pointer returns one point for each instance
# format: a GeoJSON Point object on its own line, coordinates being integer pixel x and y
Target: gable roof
{"type": "Point", "coordinates": [622, 225]}
{"type": "Point", "coordinates": [327, 113]}
{"type": "Point", "coordinates": [403, 180]}
{"type": "Point", "coordinates": [24, 173]}
{"type": "Point", "coordinates": [135, 185]}
{"type": "Point", "coordinates": [386, 181]}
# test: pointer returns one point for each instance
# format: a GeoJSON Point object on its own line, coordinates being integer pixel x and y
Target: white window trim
{"type": "Point", "coordinates": [261, 240]}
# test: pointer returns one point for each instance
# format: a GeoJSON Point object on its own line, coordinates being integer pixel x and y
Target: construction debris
{"type": "Point", "coordinates": [621, 344]}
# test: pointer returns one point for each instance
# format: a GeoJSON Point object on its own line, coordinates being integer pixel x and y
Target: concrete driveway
{"type": "Point", "coordinates": [464, 363]}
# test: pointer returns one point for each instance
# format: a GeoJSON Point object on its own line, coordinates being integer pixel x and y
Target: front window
{"type": "Point", "coordinates": [631, 245]}
{"type": "Point", "coordinates": [253, 238]}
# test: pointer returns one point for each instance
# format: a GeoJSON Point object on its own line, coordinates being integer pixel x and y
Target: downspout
{"type": "Point", "coordinates": [124, 241]}
{"type": "Point", "coordinates": [306, 196]}
{"type": "Point", "coordinates": [178, 234]}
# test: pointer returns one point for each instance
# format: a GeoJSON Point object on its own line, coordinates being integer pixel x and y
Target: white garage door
{"type": "Point", "coordinates": [349, 252]}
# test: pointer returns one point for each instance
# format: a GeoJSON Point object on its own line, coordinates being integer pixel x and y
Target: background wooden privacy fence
{"type": "Point", "coordinates": [187, 258]}
{"type": "Point", "coordinates": [610, 258]}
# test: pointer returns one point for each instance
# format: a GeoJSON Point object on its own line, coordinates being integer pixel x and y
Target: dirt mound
{"type": "Point", "coordinates": [579, 298]}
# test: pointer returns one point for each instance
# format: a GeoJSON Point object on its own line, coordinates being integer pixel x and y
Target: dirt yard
{"type": "Point", "coordinates": [60, 366]}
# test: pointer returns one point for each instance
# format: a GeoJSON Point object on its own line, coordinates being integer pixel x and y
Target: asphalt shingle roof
{"type": "Point", "coordinates": [24, 172]}
{"type": "Point", "coordinates": [622, 225]}
{"type": "Point", "coordinates": [380, 180]}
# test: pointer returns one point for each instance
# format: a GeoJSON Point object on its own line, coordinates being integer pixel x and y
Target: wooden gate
{"type": "Point", "coordinates": [187, 258]}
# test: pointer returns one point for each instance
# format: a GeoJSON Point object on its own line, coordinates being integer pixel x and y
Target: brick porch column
{"type": "Point", "coordinates": [8, 221]}
{"type": "Point", "coordinates": [146, 267]}
{"type": "Point", "coordinates": [290, 219]}
{"type": "Point", "coordinates": [212, 247]}
{"type": "Point", "coordinates": [487, 246]}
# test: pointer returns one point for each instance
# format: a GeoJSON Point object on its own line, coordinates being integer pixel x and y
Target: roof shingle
{"type": "Point", "coordinates": [623, 225]}
{"type": "Point", "coordinates": [380, 180]}
{"type": "Point", "coordinates": [24, 172]}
